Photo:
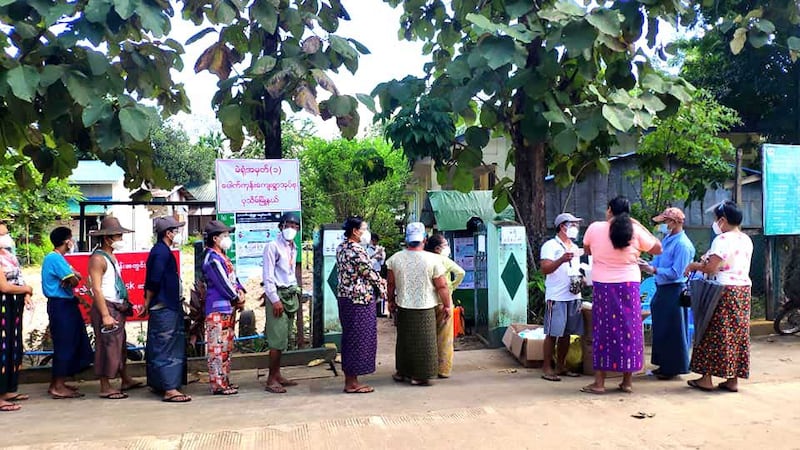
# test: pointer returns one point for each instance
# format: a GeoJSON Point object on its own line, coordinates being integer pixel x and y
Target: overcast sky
{"type": "Point", "coordinates": [373, 23]}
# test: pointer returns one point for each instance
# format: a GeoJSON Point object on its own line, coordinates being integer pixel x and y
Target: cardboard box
{"type": "Point", "coordinates": [527, 351]}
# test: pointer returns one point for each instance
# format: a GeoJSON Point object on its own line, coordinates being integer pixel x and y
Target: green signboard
{"type": "Point", "coordinates": [781, 189]}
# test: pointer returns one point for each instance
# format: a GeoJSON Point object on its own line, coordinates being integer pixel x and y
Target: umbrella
{"type": "Point", "coordinates": [705, 295]}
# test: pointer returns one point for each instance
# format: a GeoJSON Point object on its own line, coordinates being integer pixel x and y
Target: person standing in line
{"type": "Point", "coordinates": [617, 336]}
{"type": "Point", "coordinates": [377, 256]}
{"type": "Point", "coordinates": [415, 285]}
{"type": "Point", "coordinates": [724, 348]}
{"type": "Point", "coordinates": [14, 296]}
{"type": "Point", "coordinates": [110, 309]}
{"type": "Point", "coordinates": [283, 297]}
{"type": "Point", "coordinates": [670, 319]}
{"type": "Point", "coordinates": [224, 294]}
{"type": "Point", "coordinates": [454, 275]}
{"type": "Point", "coordinates": [72, 352]}
{"type": "Point", "coordinates": [166, 335]}
{"type": "Point", "coordinates": [560, 262]}
{"type": "Point", "coordinates": [360, 287]}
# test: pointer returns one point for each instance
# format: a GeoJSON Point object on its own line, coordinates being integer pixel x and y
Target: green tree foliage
{"type": "Point", "coordinates": [364, 177]}
{"type": "Point", "coordinates": [271, 51]}
{"type": "Point", "coordinates": [76, 74]}
{"type": "Point", "coordinates": [33, 211]}
{"type": "Point", "coordinates": [683, 156]}
{"type": "Point", "coordinates": [184, 162]}
{"type": "Point", "coordinates": [558, 78]}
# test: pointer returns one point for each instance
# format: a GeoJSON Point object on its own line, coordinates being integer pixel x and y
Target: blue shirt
{"type": "Point", "coordinates": [56, 269]}
{"type": "Point", "coordinates": [678, 251]}
{"type": "Point", "coordinates": [162, 277]}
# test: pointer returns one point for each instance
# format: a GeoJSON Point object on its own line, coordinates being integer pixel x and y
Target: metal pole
{"type": "Point", "coordinates": [82, 233]}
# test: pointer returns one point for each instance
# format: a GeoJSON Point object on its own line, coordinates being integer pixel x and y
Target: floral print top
{"type": "Point", "coordinates": [357, 279]}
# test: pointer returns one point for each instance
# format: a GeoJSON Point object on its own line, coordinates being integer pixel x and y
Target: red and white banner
{"type": "Point", "coordinates": [257, 185]}
{"type": "Point", "coordinates": [133, 266]}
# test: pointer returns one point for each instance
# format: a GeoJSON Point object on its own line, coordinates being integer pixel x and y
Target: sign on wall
{"type": "Point", "coordinates": [256, 185]}
{"type": "Point", "coordinates": [781, 189]}
{"type": "Point", "coordinates": [133, 266]}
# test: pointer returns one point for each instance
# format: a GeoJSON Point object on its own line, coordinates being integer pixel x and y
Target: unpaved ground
{"type": "Point", "coordinates": [490, 402]}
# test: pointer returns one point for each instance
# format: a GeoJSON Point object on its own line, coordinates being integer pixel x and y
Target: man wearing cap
{"type": "Point", "coordinates": [670, 320]}
{"type": "Point", "coordinates": [109, 309]}
{"type": "Point", "coordinates": [415, 284]}
{"type": "Point", "coordinates": [283, 297]}
{"type": "Point", "coordinates": [166, 337]}
{"type": "Point", "coordinates": [560, 262]}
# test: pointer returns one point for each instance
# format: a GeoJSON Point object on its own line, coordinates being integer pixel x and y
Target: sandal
{"type": "Point", "coordinates": [725, 387]}
{"type": "Point", "coordinates": [551, 377]}
{"type": "Point", "coordinates": [591, 389]}
{"type": "Point", "coordinates": [284, 382]}
{"type": "Point", "coordinates": [17, 398]}
{"type": "Point", "coordinates": [399, 378]}
{"type": "Point", "coordinates": [625, 389]}
{"type": "Point", "coordinates": [696, 385]}
{"type": "Point", "coordinates": [229, 391]}
{"type": "Point", "coordinates": [363, 389]}
{"type": "Point", "coordinates": [10, 407]}
{"type": "Point", "coordinates": [177, 398]}
{"type": "Point", "coordinates": [569, 373]}
{"type": "Point", "coordinates": [114, 396]}
{"type": "Point", "coordinates": [136, 385]}
{"type": "Point", "coordinates": [415, 382]}
{"type": "Point", "coordinates": [275, 388]}
{"type": "Point", "coordinates": [74, 394]}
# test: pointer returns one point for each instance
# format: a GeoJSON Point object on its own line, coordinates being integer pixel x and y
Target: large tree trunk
{"type": "Point", "coordinates": [528, 193]}
{"type": "Point", "coordinates": [270, 124]}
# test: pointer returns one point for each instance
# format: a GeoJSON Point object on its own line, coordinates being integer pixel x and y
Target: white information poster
{"type": "Point", "coordinates": [464, 256]}
{"type": "Point", "coordinates": [255, 185]}
{"type": "Point", "coordinates": [512, 235]}
{"type": "Point", "coordinates": [253, 232]}
{"type": "Point", "coordinates": [331, 241]}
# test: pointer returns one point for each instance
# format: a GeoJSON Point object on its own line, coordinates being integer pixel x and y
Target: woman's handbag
{"type": "Point", "coordinates": [685, 299]}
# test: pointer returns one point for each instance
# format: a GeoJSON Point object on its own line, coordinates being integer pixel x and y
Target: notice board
{"type": "Point", "coordinates": [781, 189]}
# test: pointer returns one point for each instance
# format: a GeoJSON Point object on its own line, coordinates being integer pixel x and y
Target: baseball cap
{"type": "Point", "coordinates": [671, 213]}
{"type": "Point", "coordinates": [215, 226]}
{"type": "Point", "coordinates": [565, 217]}
{"type": "Point", "coordinates": [165, 223]}
{"type": "Point", "coordinates": [415, 232]}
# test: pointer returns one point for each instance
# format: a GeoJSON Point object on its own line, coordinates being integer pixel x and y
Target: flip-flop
{"type": "Point", "coordinates": [75, 394]}
{"type": "Point", "coordinates": [693, 384]}
{"type": "Point", "coordinates": [625, 389]}
{"type": "Point", "coordinates": [420, 382]}
{"type": "Point", "coordinates": [286, 383]}
{"type": "Point", "coordinates": [724, 387]}
{"type": "Point", "coordinates": [592, 390]}
{"type": "Point", "coordinates": [399, 378]}
{"type": "Point", "coordinates": [275, 389]}
{"type": "Point", "coordinates": [10, 407]}
{"type": "Point", "coordinates": [551, 377]}
{"type": "Point", "coordinates": [229, 391]}
{"type": "Point", "coordinates": [364, 389]}
{"type": "Point", "coordinates": [177, 398]}
{"type": "Point", "coordinates": [17, 398]}
{"type": "Point", "coordinates": [569, 374]}
{"type": "Point", "coordinates": [114, 396]}
{"type": "Point", "coordinates": [137, 385]}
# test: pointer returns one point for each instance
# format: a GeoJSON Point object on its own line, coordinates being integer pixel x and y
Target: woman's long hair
{"type": "Point", "coordinates": [621, 229]}
{"type": "Point", "coordinates": [433, 242]}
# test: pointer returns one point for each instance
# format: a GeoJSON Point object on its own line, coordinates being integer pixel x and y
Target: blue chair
{"type": "Point", "coordinates": [647, 289]}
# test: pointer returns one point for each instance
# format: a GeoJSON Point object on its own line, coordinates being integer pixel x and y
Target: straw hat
{"type": "Point", "coordinates": [109, 227]}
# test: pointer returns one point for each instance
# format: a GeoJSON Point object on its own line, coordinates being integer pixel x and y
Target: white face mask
{"type": "Point", "coordinates": [7, 242]}
{"type": "Point", "coordinates": [289, 234]}
{"type": "Point", "coordinates": [445, 251]}
{"type": "Point", "coordinates": [177, 239]}
{"type": "Point", "coordinates": [225, 243]}
{"type": "Point", "coordinates": [572, 232]}
{"type": "Point", "coordinates": [716, 228]}
{"type": "Point", "coordinates": [663, 229]}
{"type": "Point", "coordinates": [366, 237]}
{"type": "Point", "coordinates": [118, 245]}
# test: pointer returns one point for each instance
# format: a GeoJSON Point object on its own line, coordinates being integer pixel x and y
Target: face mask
{"type": "Point", "coordinates": [7, 242]}
{"type": "Point", "coordinates": [663, 229]}
{"type": "Point", "coordinates": [445, 252]}
{"type": "Point", "coordinates": [225, 243]}
{"type": "Point", "coordinates": [70, 245]}
{"type": "Point", "coordinates": [366, 237]}
{"type": "Point", "coordinates": [118, 245]}
{"type": "Point", "coordinates": [289, 233]}
{"type": "Point", "coordinates": [177, 239]}
{"type": "Point", "coordinates": [572, 232]}
{"type": "Point", "coordinates": [716, 228]}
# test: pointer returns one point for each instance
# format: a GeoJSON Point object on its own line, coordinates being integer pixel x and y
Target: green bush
{"type": "Point", "coordinates": [33, 254]}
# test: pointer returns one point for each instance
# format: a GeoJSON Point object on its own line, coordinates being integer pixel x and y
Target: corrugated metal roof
{"type": "Point", "coordinates": [204, 192]}
{"type": "Point", "coordinates": [96, 172]}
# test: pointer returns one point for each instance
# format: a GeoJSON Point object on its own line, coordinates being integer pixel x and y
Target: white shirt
{"type": "Point", "coordinates": [736, 250]}
{"type": "Point", "coordinates": [280, 258]}
{"type": "Point", "coordinates": [556, 284]}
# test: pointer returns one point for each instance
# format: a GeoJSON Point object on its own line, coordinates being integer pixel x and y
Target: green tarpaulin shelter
{"type": "Point", "coordinates": [452, 209]}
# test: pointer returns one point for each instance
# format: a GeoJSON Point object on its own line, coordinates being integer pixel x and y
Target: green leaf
{"type": "Point", "coordinates": [125, 8]}
{"type": "Point", "coordinates": [97, 10]}
{"type": "Point", "coordinates": [98, 62]}
{"type": "Point", "coordinates": [359, 46]}
{"type": "Point", "coordinates": [498, 51]}
{"type": "Point", "coordinates": [578, 36]}
{"type": "Point", "coordinates": [199, 35]}
{"type": "Point", "coordinates": [79, 88]}
{"type": "Point", "coordinates": [342, 47]}
{"type": "Point", "coordinates": [488, 117]}
{"type": "Point", "coordinates": [463, 180]}
{"type": "Point", "coordinates": [603, 166]}
{"type": "Point", "coordinates": [367, 101]}
{"type": "Point", "coordinates": [341, 105]}
{"type": "Point", "coordinates": [794, 43]}
{"type": "Point", "coordinates": [652, 103]}
{"type": "Point", "coordinates": [619, 117]}
{"type": "Point", "coordinates": [135, 122]}
{"type": "Point", "coordinates": [108, 134]}
{"type": "Point", "coordinates": [517, 8]}
{"type": "Point", "coordinates": [4, 3]}
{"type": "Point", "coordinates": [587, 129]}
{"type": "Point", "coordinates": [477, 137]}
{"type": "Point", "coordinates": [565, 142]}
{"type": "Point", "coordinates": [95, 112]}
{"type": "Point", "coordinates": [654, 82]}
{"type": "Point", "coordinates": [757, 38]}
{"type": "Point", "coordinates": [605, 20]}
{"type": "Point", "coordinates": [231, 118]}
{"type": "Point", "coordinates": [570, 8]}
{"type": "Point", "coordinates": [263, 65]}
{"type": "Point", "coordinates": [23, 81]}
{"type": "Point", "coordinates": [266, 15]}
{"type": "Point", "coordinates": [24, 177]}
{"type": "Point", "coordinates": [739, 38]}
{"type": "Point", "coordinates": [766, 26]}
{"type": "Point", "coordinates": [50, 74]}
{"type": "Point", "coordinates": [153, 19]}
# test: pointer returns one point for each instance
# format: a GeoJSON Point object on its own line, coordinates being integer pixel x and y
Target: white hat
{"type": "Point", "coordinates": [415, 232]}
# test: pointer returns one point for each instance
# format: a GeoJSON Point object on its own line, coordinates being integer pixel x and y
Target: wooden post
{"type": "Point", "coordinates": [737, 188]}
